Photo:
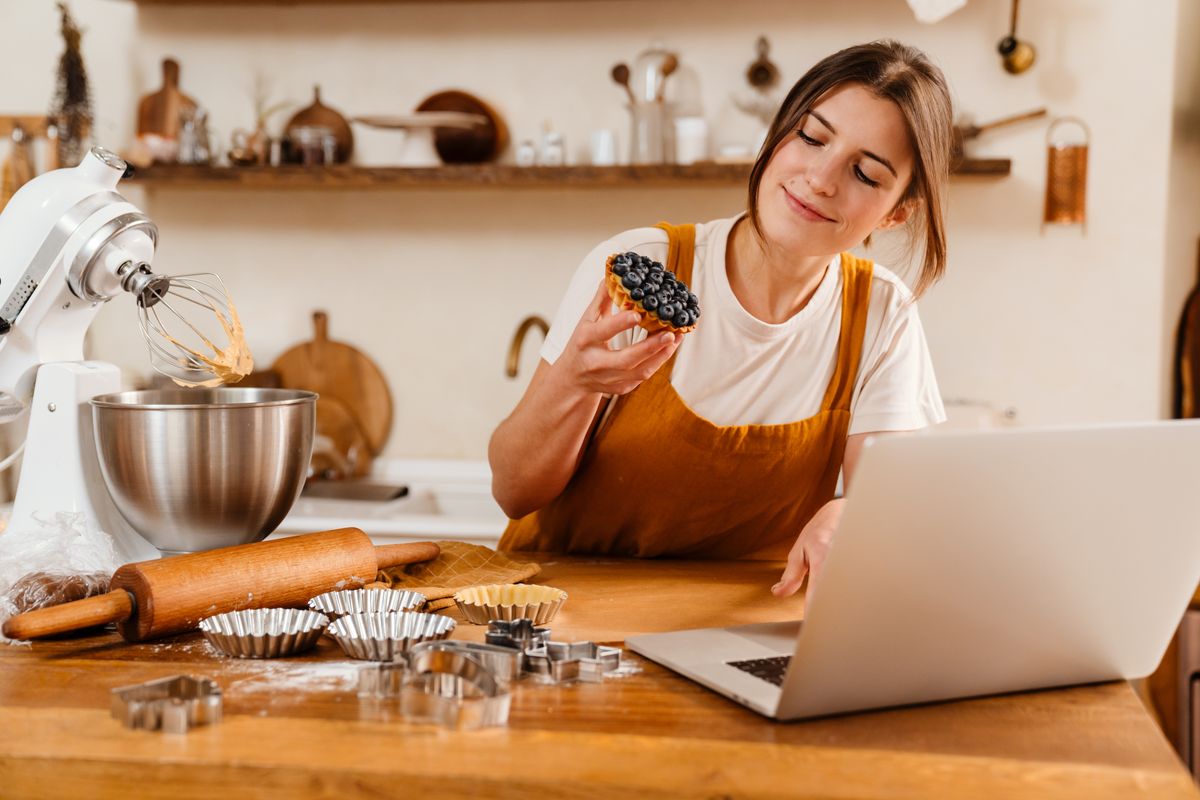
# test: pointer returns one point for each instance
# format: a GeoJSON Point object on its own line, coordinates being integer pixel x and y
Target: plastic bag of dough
{"type": "Point", "coordinates": [55, 561]}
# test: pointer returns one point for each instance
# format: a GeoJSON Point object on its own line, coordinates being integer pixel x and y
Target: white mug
{"type": "Point", "coordinates": [691, 140]}
{"type": "Point", "coordinates": [604, 148]}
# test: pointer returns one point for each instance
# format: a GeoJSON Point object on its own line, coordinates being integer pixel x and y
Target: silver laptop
{"type": "Point", "coordinates": [976, 563]}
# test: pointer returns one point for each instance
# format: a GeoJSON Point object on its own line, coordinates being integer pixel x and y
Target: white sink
{"type": "Point", "coordinates": [446, 500]}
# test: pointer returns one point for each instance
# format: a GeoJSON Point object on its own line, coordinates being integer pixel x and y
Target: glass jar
{"type": "Point", "coordinates": [308, 144]}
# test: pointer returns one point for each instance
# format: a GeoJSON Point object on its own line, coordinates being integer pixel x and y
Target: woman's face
{"type": "Point", "coordinates": [837, 177]}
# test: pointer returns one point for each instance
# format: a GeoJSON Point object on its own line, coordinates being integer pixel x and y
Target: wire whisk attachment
{"type": "Point", "coordinates": [190, 325]}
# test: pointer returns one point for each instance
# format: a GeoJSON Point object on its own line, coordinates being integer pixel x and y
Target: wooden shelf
{"type": "Point", "coordinates": [467, 176]}
{"type": "Point", "coordinates": [171, 3]}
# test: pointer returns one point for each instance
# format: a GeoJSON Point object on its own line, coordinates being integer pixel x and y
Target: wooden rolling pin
{"type": "Point", "coordinates": [170, 595]}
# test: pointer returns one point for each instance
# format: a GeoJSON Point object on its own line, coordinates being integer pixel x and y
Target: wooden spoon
{"type": "Point", "coordinates": [620, 74]}
{"type": "Point", "coordinates": [669, 65]}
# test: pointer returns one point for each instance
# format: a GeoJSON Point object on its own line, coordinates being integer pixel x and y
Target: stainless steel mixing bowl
{"type": "Point", "coordinates": [194, 469]}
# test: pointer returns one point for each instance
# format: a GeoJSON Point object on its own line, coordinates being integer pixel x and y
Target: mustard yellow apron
{"type": "Point", "coordinates": [659, 480]}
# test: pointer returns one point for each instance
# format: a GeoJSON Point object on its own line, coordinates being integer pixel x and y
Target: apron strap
{"type": "Point", "coordinates": [681, 249]}
{"type": "Point", "coordinates": [856, 298]}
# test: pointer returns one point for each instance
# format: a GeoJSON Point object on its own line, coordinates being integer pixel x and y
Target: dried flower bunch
{"type": "Point", "coordinates": [71, 111]}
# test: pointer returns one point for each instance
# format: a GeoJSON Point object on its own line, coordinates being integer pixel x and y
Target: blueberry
{"type": "Point", "coordinates": [631, 280]}
{"type": "Point", "coordinates": [666, 310]}
{"type": "Point", "coordinates": [619, 269]}
{"type": "Point", "coordinates": [650, 302]}
{"type": "Point", "coordinates": [682, 318]}
{"type": "Point", "coordinates": [636, 293]}
{"type": "Point", "coordinates": [693, 300]}
{"type": "Point", "coordinates": [695, 313]}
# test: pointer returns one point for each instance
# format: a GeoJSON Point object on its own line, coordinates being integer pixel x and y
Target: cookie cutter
{"type": "Point", "coordinates": [518, 634]}
{"type": "Point", "coordinates": [505, 664]}
{"type": "Point", "coordinates": [568, 661]}
{"type": "Point", "coordinates": [383, 680]}
{"type": "Point", "coordinates": [171, 704]}
{"type": "Point", "coordinates": [452, 689]}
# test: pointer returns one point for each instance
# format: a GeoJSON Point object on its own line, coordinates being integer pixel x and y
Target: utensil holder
{"type": "Point", "coordinates": [1066, 175]}
{"type": "Point", "coordinates": [651, 134]}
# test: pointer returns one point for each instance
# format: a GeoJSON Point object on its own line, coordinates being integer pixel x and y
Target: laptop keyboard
{"type": "Point", "coordinates": [770, 670]}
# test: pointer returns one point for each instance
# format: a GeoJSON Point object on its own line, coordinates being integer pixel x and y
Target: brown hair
{"type": "Point", "coordinates": [904, 75]}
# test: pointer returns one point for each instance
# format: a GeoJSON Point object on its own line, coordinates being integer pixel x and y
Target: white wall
{"type": "Point", "coordinates": [1063, 325]}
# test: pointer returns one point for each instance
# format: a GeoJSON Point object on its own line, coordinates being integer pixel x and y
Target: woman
{"type": "Point", "coordinates": [728, 442]}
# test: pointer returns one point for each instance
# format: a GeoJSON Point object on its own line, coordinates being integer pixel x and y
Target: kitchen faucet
{"type": "Point", "coordinates": [514, 347]}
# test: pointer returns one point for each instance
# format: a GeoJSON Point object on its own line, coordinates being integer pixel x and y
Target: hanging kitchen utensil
{"type": "Point", "coordinates": [1016, 55]}
{"type": "Point", "coordinates": [762, 73]}
{"type": "Point", "coordinates": [1186, 400]}
{"type": "Point", "coordinates": [1066, 174]}
{"type": "Point", "coordinates": [478, 143]}
{"type": "Point", "coordinates": [320, 115]}
{"type": "Point", "coordinates": [963, 132]}
{"type": "Point", "coordinates": [343, 373]}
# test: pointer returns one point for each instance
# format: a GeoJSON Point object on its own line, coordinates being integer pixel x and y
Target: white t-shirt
{"type": "Point", "coordinates": [735, 369]}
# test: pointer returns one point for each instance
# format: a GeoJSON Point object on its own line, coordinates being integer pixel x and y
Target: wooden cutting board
{"type": "Point", "coordinates": [343, 373]}
{"type": "Point", "coordinates": [336, 423]}
{"type": "Point", "coordinates": [159, 111]}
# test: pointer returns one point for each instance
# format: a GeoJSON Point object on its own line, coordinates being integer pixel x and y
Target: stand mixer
{"type": "Point", "coordinates": [69, 243]}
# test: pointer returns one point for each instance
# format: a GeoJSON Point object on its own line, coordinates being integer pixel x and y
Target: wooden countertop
{"type": "Point", "coordinates": [294, 728]}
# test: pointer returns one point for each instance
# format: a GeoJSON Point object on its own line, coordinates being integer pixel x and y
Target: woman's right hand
{"type": "Point", "coordinates": [588, 363]}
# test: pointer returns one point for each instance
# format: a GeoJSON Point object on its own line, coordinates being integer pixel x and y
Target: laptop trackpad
{"type": "Point", "coordinates": [777, 636]}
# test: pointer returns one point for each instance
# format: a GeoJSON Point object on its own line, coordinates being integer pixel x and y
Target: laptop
{"type": "Point", "coordinates": [978, 563]}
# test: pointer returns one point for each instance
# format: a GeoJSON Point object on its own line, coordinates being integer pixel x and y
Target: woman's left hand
{"type": "Point", "coordinates": [808, 553]}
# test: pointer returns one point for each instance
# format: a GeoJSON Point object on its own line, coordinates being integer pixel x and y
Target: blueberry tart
{"type": "Point", "coordinates": [636, 283]}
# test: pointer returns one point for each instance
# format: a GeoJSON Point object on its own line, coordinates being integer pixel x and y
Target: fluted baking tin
{"type": "Point", "coordinates": [509, 601]}
{"type": "Point", "coordinates": [264, 632]}
{"type": "Point", "coordinates": [366, 601]}
{"type": "Point", "coordinates": [387, 636]}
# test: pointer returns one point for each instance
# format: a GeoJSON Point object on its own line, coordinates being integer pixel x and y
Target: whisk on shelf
{"type": "Point", "coordinates": [190, 325]}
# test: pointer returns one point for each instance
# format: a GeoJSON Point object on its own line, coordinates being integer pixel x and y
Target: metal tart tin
{"type": "Point", "coordinates": [365, 601]}
{"type": "Point", "coordinates": [386, 637]}
{"type": "Point", "coordinates": [264, 632]}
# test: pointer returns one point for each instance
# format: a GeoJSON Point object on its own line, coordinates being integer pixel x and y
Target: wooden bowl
{"type": "Point", "coordinates": [467, 146]}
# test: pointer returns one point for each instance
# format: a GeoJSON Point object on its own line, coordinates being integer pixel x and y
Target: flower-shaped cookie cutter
{"type": "Point", "coordinates": [568, 661]}
{"type": "Point", "coordinates": [451, 689]}
{"type": "Point", "coordinates": [451, 684]}
{"type": "Point", "coordinates": [519, 634]}
{"type": "Point", "coordinates": [171, 704]}
{"type": "Point", "coordinates": [504, 663]}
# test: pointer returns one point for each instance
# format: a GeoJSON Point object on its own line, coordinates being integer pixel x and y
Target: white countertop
{"type": "Point", "coordinates": [447, 499]}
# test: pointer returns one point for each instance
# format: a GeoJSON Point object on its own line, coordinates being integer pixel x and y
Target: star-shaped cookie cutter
{"type": "Point", "coordinates": [172, 704]}
{"type": "Point", "coordinates": [567, 661]}
{"type": "Point", "coordinates": [519, 634]}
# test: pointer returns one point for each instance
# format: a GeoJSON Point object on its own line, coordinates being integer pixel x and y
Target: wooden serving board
{"type": "Point", "coordinates": [159, 111]}
{"type": "Point", "coordinates": [342, 372]}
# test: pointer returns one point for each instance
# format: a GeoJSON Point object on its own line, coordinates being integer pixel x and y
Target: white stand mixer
{"type": "Point", "coordinates": [68, 244]}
